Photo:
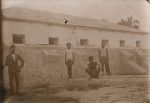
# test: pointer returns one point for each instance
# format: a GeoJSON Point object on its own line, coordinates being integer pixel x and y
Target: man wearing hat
{"type": "Point", "coordinates": [14, 63]}
{"type": "Point", "coordinates": [69, 59]}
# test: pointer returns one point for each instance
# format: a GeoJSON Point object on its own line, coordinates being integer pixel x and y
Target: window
{"type": "Point", "coordinates": [138, 43]}
{"type": "Point", "coordinates": [122, 43]}
{"type": "Point", "coordinates": [84, 42]}
{"type": "Point", "coordinates": [105, 42]}
{"type": "Point", "coordinates": [18, 38]}
{"type": "Point", "coordinates": [53, 41]}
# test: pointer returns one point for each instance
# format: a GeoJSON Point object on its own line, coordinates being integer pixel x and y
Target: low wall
{"type": "Point", "coordinates": [45, 64]}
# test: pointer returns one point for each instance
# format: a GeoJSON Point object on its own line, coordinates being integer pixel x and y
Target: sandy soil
{"type": "Point", "coordinates": [121, 89]}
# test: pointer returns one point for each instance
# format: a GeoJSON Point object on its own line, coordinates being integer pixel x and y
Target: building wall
{"type": "Point", "coordinates": [45, 65]}
{"type": "Point", "coordinates": [113, 37]}
{"type": "Point", "coordinates": [36, 33]}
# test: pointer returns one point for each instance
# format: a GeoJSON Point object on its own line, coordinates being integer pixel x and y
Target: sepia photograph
{"type": "Point", "coordinates": [75, 51]}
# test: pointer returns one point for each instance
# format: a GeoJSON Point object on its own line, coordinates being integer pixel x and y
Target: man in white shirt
{"type": "Point", "coordinates": [14, 57]}
{"type": "Point", "coordinates": [69, 59]}
{"type": "Point", "coordinates": [104, 59]}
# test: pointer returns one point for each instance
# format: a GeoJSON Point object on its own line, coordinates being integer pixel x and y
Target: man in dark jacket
{"type": "Point", "coordinates": [14, 63]}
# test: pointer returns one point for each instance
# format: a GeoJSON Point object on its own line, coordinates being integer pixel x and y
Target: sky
{"type": "Point", "coordinates": [112, 10]}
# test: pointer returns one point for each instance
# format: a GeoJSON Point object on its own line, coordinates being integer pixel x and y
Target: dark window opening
{"type": "Point", "coordinates": [53, 41]}
{"type": "Point", "coordinates": [138, 43]}
{"type": "Point", "coordinates": [122, 43]}
{"type": "Point", "coordinates": [18, 38]}
{"type": "Point", "coordinates": [105, 42]}
{"type": "Point", "coordinates": [84, 42]}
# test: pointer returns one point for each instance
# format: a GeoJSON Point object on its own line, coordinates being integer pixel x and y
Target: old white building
{"type": "Point", "coordinates": [27, 26]}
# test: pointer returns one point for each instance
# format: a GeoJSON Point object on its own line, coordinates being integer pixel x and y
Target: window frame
{"type": "Point", "coordinates": [122, 43]}
{"type": "Point", "coordinates": [18, 36]}
{"type": "Point", "coordinates": [138, 43]}
{"type": "Point", "coordinates": [105, 42]}
{"type": "Point", "coordinates": [84, 42]}
{"type": "Point", "coordinates": [54, 42]}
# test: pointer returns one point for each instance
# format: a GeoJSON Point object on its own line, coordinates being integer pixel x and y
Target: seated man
{"type": "Point", "coordinates": [93, 68]}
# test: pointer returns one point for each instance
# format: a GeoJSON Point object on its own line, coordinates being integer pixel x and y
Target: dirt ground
{"type": "Point", "coordinates": [113, 89]}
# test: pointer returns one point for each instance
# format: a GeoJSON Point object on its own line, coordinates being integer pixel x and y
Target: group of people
{"type": "Point", "coordinates": [92, 68]}
{"type": "Point", "coordinates": [15, 62]}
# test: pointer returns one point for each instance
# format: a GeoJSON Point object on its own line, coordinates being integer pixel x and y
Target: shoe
{"type": "Point", "coordinates": [90, 78]}
{"type": "Point", "coordinates": [11, 94]}
{"type": "Point", "coordinates": [18, 94]}
{"type": "Point", "coordinates": [69, 77]}
{"type": "Point", "coordinates": [108, 74]}
{"type": "Point", "coordinates": [102, 74]}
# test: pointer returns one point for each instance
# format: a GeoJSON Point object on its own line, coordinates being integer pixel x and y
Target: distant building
{"type": "Point", "coordinates": [26, 26]}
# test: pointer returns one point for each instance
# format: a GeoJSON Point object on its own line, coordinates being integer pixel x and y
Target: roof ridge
{"type": "Point", "coordinates": [75, 20]}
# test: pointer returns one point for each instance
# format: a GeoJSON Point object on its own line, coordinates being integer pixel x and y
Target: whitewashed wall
{"type": "Point", "coordinates": [36, 33]}
{"type": "Point", "coordinates": [95, 37]}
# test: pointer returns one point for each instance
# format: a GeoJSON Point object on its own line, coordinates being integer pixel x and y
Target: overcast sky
{"type": "Point", "coordinates": [112, 10]}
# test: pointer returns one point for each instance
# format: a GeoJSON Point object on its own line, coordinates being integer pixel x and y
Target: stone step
{"type": "Point", "coordinates": [137, 67]}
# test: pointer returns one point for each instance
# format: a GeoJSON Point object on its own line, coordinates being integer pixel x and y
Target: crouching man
{"type": "Point", "coordinates": [93, 68]}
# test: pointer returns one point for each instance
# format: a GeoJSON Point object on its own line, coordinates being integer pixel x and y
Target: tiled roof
{"type": "Point", "coordinates": [58, 18]}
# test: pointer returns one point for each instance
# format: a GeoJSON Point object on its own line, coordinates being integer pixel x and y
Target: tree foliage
{"type": "Point", "coordinates": [130, 22]}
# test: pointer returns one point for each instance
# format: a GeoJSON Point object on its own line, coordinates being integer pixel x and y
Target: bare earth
{"type": "Point", "coordinates": [113, 89]}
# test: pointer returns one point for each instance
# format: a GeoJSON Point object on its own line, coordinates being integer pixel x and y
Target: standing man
{"type": "Point", "coordinates": [104, 59]}
{"type": "Point", "coordinates": [69, 59]}
{"type": "Point", "coordinates": [14, 63]}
